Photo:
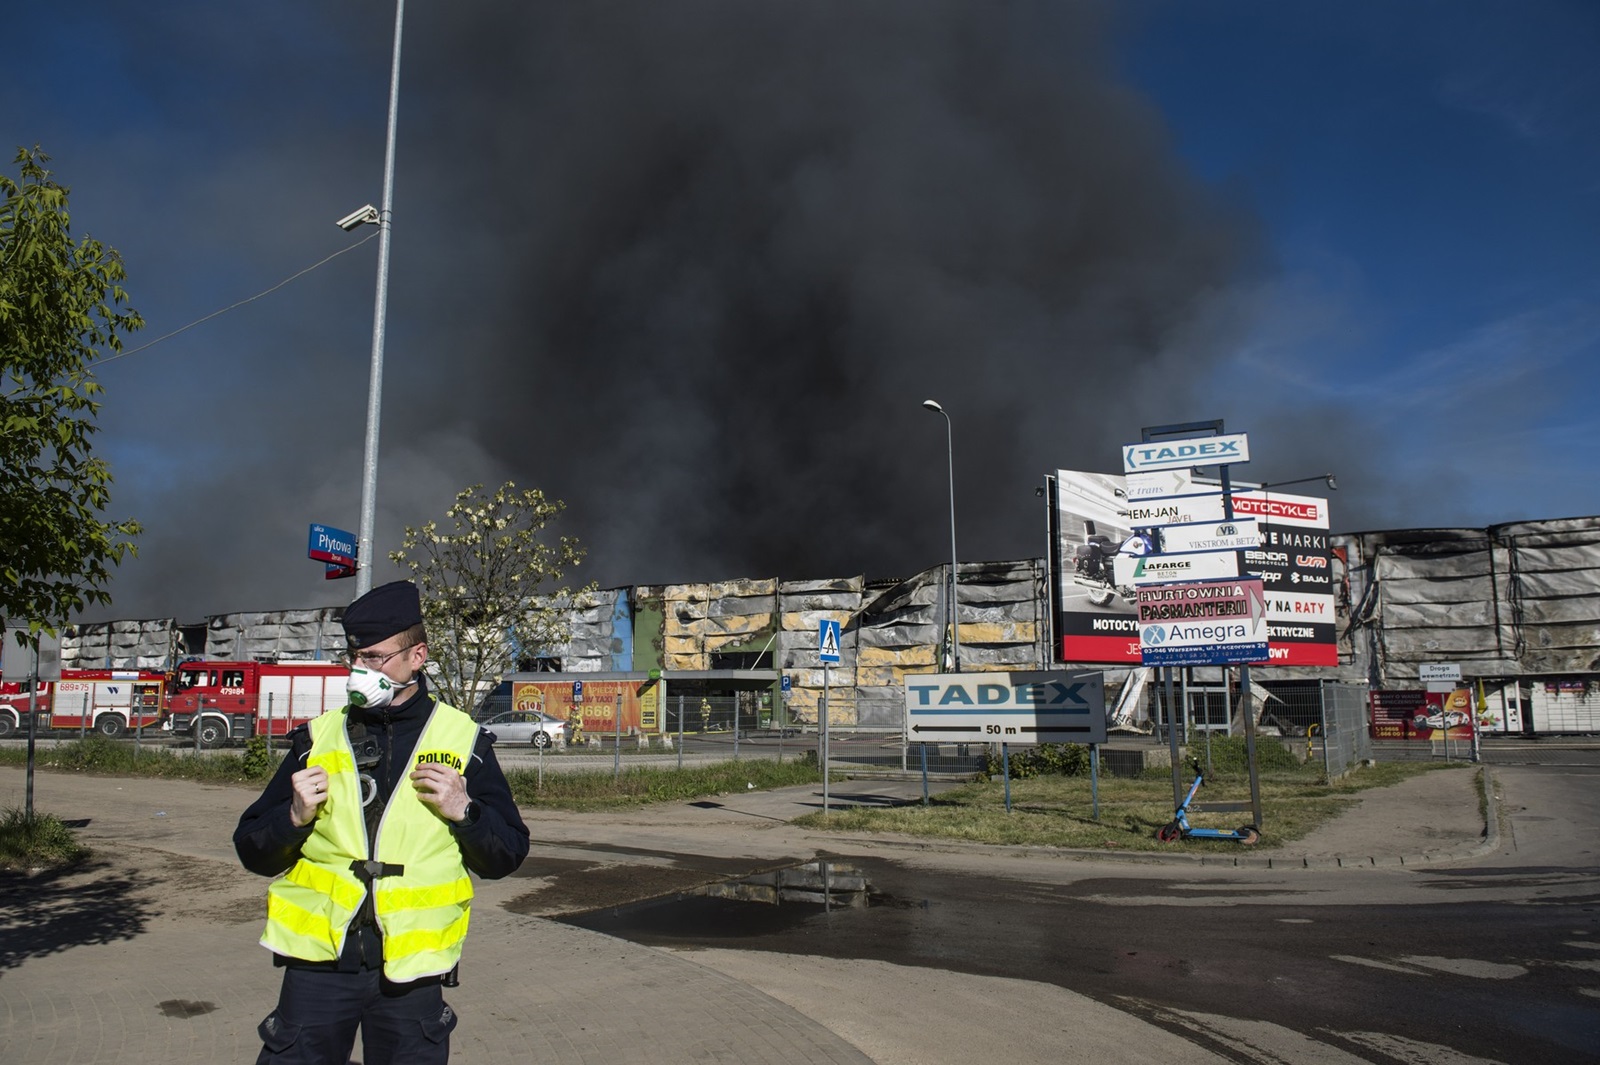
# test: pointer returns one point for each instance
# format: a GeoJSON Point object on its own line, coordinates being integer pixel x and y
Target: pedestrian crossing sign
{"type": "Point", "coordinates": [828, 640]}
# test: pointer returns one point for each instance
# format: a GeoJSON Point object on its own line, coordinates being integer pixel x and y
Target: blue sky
{"type": "Point", "coordinates": [1429, 175]}
{"type": "Point", "coordinates": [693, 267]}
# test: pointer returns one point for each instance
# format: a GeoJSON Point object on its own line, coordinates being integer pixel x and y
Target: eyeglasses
{"type": "Point", "coordinates": [371, 659]}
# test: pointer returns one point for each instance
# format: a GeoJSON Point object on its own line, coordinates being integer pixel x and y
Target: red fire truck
{"type": "Point", "coordinates": [109, 701]}
{"type": "Point", "coordinates": [234, 700]}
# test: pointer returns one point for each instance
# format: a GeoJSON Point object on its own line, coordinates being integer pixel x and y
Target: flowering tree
{"type": "Point", "coordinates": [491, 586]}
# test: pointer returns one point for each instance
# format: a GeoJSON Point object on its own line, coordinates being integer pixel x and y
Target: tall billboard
{"type": "Point", "coordinates": [1104, 547]}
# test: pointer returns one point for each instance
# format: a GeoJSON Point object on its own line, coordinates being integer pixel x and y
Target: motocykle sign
{"type": "Point", "coordinates": [1023, 707]}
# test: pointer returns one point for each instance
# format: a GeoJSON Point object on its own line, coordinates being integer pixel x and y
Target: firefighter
{"type": "Point", "coordinates": [377, 816]}
{"type": "Point", "coordinates": [575, 723]}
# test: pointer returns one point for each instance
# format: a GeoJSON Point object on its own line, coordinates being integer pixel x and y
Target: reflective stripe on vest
{"type": "Point", "coordinates": [422, 912]}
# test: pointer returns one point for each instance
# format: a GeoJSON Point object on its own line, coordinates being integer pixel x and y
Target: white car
{"type": "Point", "coordinates": [527, 726]}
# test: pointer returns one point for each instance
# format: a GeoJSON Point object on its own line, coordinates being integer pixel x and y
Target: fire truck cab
{"type": "Point", "coordinates": [221, 701]}
{"type": "Point", "coordinates": [14, 706]}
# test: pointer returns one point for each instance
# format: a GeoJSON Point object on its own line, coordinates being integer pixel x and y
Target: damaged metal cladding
{"type": "Point", "coordinates": [1512, 604]}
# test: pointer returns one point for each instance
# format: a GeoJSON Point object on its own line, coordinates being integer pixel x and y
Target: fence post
{"type": "Point", "coordinates": [1322, 712]}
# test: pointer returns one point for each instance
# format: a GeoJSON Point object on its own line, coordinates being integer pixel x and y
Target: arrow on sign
{"type": "Point", "coordinates": [1074, 730]}
{"type": "Point", "coordinates": [1256, 592]}
{"type": "Point", "coordinates": [945, 728]}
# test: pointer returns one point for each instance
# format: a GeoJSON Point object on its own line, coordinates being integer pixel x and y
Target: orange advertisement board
{"type": "Point", "coordinates": [598, 708]}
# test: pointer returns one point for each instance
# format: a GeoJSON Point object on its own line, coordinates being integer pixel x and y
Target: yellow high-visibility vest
{"type": "Point", "coordinates": [422, 910]}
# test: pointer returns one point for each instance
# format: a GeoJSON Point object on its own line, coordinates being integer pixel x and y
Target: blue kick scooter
{"type": "Point", "coordinates": [1179, 827]}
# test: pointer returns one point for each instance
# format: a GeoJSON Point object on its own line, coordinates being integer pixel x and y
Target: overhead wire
{"type": "Point", "coordinates": [235, 306]}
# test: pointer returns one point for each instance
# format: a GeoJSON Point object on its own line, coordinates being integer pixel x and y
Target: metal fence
{"type": "Point", "coordinates": [1346, 742]}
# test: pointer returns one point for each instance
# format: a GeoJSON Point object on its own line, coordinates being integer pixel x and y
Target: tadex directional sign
{"type": "Point", "coordinates": [1185, 453]}
{"type": "Point", "coordinates": [1024, 707]}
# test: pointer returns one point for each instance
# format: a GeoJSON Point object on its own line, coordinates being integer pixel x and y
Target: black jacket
{"type": "Point", "coordinates": [493, 846]}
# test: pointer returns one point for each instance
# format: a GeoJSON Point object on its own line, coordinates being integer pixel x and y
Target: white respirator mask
{"type": "Point", "coordinates": [368, 688]}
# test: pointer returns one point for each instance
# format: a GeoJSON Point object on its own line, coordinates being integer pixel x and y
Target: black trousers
{"type": "Point", "coordinates": [319, 1011]}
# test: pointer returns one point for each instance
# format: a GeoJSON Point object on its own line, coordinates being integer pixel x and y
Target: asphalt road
{"type": "Point", "coordinates": [1439, 950]}
{"type": "Point", "coordinates": [1496, 959]}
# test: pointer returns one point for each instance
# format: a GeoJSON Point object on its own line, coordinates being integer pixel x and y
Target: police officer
{"type": "Point", "coordinates": [372, 824]}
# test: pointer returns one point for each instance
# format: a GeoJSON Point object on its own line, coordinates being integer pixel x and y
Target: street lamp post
{"type": "Point", "coordinates": [1326, 478]}
{"type": "Point", "coordinates": [369, 465]}
{"type": "Point", "coordinates": [950, 454]}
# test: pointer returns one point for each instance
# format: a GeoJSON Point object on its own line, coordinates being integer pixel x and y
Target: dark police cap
{"type": "Point", "coordinates": [386, 611]}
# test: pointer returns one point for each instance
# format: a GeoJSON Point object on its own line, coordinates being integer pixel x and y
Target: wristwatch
{"type": "Point", "coordinates": [471, 816]}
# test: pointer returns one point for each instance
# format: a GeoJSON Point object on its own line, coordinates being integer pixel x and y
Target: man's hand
{"type": "Point", "coordinates": [310, 792]}
{"type": "Point", "coordinates": [443, 789]}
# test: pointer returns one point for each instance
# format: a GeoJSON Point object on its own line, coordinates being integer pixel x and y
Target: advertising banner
{"type": "Point", "coordinates": [1414, 714]}
{"type": "Point", "coordinates": [598, 706]}
{"type": "Point", "coordinates": [1212, 624]}
{"type": "Point", "coordinates": [1101, 558]}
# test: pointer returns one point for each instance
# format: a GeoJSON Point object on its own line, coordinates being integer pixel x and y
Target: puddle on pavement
{"type": "Point", "coordinates": [760, 904]}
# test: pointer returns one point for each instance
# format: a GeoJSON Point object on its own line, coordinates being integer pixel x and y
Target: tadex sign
{"type": "Point", "coordinates": [1020, 707]}
{"type": "Point", "coordinates": [1192, 451]}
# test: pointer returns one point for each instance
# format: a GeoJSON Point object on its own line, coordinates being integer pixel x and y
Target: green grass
{"type": "Point", "coordinates": [1057, 811]}
{"type": "Point", "coordinates": [98, 754]}
{"type": "Point", "coordinates": [40, 842]}
{"type": "Point", "coordinates": [582, 790]}
{"type": "Point", "coordinates": [599, 790]}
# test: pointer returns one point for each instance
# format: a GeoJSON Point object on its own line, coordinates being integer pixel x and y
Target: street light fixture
{"type": "Point", "coordinates": [1327, 478]}
{"type": "Point", "coordinates": [955, 620]}
{"type": "Point", "coordinates": [380, 218]}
